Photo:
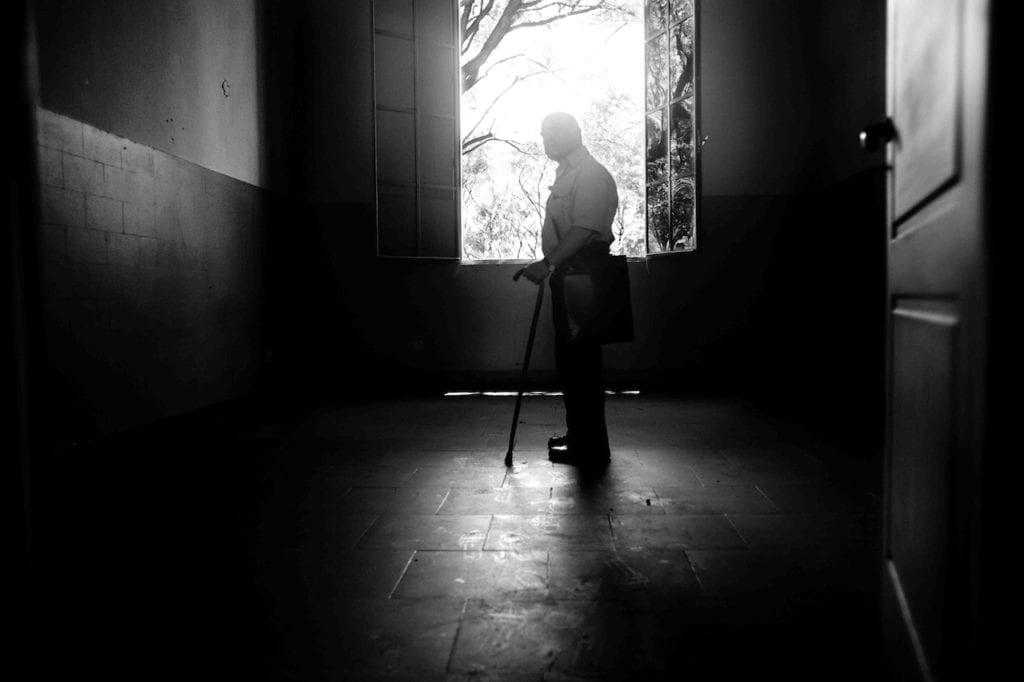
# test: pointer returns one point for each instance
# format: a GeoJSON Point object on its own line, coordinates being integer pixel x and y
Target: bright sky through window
{"type": "Point", "coordinates": [592, 61]}
{"type": "Point", "coordinates": [591, 66]}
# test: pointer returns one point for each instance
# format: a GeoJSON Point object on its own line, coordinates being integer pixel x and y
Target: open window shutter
{"type": "Point", "coordinates": [416, 88]}
{"type": "Point", "coordinates": [672, 181]}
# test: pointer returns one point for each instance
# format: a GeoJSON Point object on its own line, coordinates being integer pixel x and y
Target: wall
{"type": "Point", "coordinates": [153, 214]}
{"type": "Point", "coordinates": [180, 76]}
{"type": "Point", "coordinates": [820, 326]}
{"type": "Point", "coordinates": [766, 301]}
{"type": "Point", "coordinates": [699, 316]}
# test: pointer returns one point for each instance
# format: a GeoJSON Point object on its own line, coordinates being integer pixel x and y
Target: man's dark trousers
{"type": "Point", "coordinates": [579, 372]}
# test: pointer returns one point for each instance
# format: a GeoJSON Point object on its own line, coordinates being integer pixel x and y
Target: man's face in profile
{"type": "Point", "coordinates": [557, 141]}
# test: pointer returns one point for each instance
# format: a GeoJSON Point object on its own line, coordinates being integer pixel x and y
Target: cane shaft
{"type": "Point", "coordinates": [526, 369]}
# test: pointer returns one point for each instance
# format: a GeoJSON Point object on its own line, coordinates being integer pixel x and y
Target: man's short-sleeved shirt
{"type": "Point", "coordinates": [583, 195]}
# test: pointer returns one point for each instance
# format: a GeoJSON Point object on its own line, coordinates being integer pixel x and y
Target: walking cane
{"type": "Point", "coordinates": [526, 365]}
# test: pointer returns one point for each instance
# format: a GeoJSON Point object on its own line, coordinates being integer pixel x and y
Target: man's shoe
{"type": "Point", "coordinates": [581, 457]}
{"type": "Point", "coordinates": [558, 441]}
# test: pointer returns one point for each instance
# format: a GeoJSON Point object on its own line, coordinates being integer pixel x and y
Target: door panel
{"type": "Point", "coordinates": [924, 354]}
{"type": "Point", "coordinates": [936, 305]}
{"type": "Point", "coordinates": [927, 40]}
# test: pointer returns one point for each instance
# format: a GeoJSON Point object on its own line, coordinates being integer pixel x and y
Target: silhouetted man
{"type": "Point", "coordinates": [577, 231]}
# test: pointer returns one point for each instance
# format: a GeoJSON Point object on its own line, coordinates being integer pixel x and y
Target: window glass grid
{"type": "Point", "coordinates": [670, 97]}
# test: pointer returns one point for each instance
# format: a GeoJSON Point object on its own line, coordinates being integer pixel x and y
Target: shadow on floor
{"type": "Point", "coordinates": [384, 539]}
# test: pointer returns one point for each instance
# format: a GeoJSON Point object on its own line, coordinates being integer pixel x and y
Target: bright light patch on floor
{"type": "Point", "coordinates": [534, 394]}
{"type": "Point", "coordinates": [500, 394]}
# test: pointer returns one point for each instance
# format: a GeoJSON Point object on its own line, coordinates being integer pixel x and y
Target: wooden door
{"type": "Point", "coordinates": [937, 91]}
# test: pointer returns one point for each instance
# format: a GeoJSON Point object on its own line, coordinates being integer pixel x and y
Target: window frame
{"type": "Point", "coordinates": [417, 187]}
{"type": "Point", "coordinates": [698, 141]}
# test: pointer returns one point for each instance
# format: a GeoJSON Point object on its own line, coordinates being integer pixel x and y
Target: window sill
{"type": "Point", "coordinates": [629, 259]}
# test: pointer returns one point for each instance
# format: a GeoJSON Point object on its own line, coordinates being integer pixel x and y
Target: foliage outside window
{"type": "Point", "coordinates": [522, 59]}
{"type": "Point", "coordinates": [671, 179]}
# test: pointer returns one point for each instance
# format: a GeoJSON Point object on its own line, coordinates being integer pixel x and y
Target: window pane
{"type": "Point", "coordinates": [396, 220]}
{"type": "Point", "coordinates": [393, 15]}
{"type": "Point", "coordinates": [682, 150]}
{"type": "Point", "coordinates": [656, 13]}
{"type": "Point", "coordinates": [683, 214]}
{"type": "Point", "coordinates": [434, 21]}
{"type": "Point", "coordinates": [396, 143]}
{"type": "Point", "coordinates": [657, 71]}
{"type": "Point", "coordinates": [681, 9]}
{"type": "Point", "coordinates": [437, 214]}
{"type": "Point", "coordinates": [658, 230]}
{"type": "Point", "coordinates": [415, 70]}
{"type": "Point", "coordinates": [682, 59]}
{"type": "Point", "coordinates": [436, 151]}
{"type": "Point", "coordinates": [435, 86]}
{"type": "Point", "coordinates": [393, 65]}
{"type": "Point", "coordinates": [671, 184]}
{"type": "Point", "coordinates": [657, 146]}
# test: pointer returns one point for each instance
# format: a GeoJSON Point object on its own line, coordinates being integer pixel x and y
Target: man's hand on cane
{"type": "Point", "coordinates": [537, 272]}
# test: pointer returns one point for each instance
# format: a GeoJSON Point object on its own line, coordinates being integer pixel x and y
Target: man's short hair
{"type": "Point", "coordinates": [564, 123]}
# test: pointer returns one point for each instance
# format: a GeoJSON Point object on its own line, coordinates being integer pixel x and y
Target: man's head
{"type": "Point", "coordinates": [561, 135]}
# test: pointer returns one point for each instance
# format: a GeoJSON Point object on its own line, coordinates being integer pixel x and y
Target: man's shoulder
{"type": "Point", "coordinates": [593, 170]}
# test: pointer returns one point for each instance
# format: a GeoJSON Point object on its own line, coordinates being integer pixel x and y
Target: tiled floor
{"type": "Point", "coordinates": [385, 539]}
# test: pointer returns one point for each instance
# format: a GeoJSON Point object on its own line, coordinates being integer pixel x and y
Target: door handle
{"type": "Point", "coordinates": [874, 135]}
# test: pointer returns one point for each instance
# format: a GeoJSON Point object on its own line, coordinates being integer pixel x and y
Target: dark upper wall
{"type": "Point", "coordinates": [785, 88]}
{"type": "Point", "coordinates": [847, 41]}
{"type": "Point", "coordinates": [180, 76]}
{"type": "Point", "coordinates": [755, 91]}
{"type": "Point", "coordinates": [339, 121]}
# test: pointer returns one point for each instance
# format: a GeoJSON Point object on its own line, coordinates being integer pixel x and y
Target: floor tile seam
{"type": "Point", "coordinates": [487, 533]}
{"type": "Point", "coordinates": [438, 487]}
{"type": "Point", "coordinates": [658, 495]}
{"type": "Point", "coordinates": [828, 515]}
{"type": "Point", "coordinates": [446, 550]}
{"type": "Point", "coordinates": [736, 530]}
{"type": "Point", "coordinates": [418, 515]}
{"type": "Point", "coordinates": [696, 574]}
{"type": "Point", "coordinates": [827, 510]}
{"type": "Point", "coordinates": [691, 515]}
{"type": "Point", "coordinates": [395, 487]}
{"type": "Point", "coordinates": [447, 493]}
{"type": "Point", "coordinates": [710, 488]}
{"type": "Point", "coordinates": [448, 666]}
{"type": "Point", "coordinates": [401, 575]}
{"type": "Point", "coordinates": [848, 540]}
{"type": "Point", "coordinates": [369, 527]}
{"type": "Point", "coordinates": [770, 500]}
{"type": "Point", "coordinates": [715, 509]}
{"type": "Point", "coordinates": [429, 487]}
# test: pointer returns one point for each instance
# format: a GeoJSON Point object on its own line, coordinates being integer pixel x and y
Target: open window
{"type": "Point", "coordinates": [460, 87]}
